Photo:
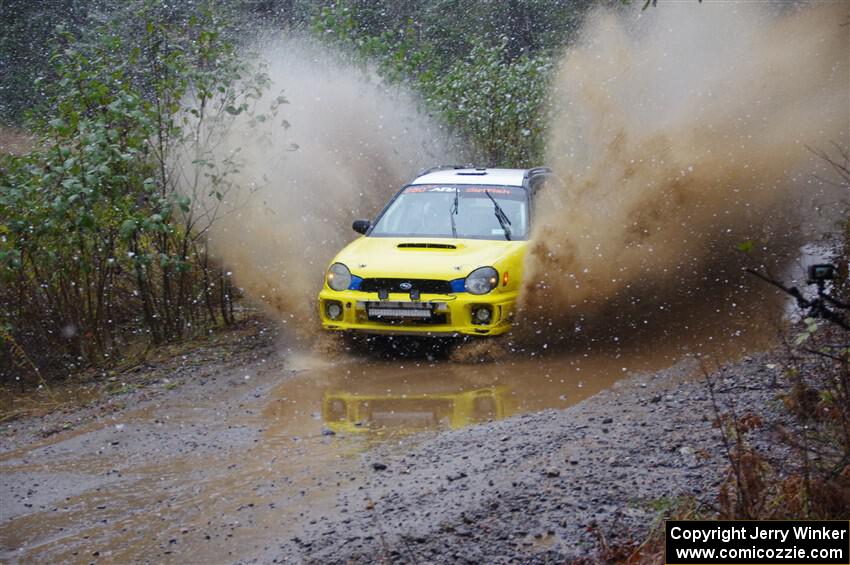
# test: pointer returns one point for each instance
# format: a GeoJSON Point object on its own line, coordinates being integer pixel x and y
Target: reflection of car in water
{"type": "Point", "coordinates": [389, 397]}
{"type": "Point", "coordinates": [444, 257]}
{"type": "Point", "coordinates": [349, 412]}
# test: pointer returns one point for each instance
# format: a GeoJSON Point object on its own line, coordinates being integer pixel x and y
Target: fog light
{"type": "Point", "coordinates": [481, 315]}
{"type": "Point", "coordinates": [334, 310]}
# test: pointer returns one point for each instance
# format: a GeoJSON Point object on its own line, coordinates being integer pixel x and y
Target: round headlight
{"type": "Point", "coordinates": [339, 277]}
{"type": "Point", "coordinates": [481, 281]}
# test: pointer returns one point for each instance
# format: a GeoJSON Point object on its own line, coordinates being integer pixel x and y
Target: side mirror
{"type": "Point", "coordinates": [361, 226]}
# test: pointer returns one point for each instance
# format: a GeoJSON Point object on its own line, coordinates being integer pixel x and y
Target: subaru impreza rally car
{"type": "Point", "coordinates": [443, 258]}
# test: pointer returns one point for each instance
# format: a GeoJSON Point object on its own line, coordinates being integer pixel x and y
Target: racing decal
{"type": "Point", "coordinates": [462, 188]}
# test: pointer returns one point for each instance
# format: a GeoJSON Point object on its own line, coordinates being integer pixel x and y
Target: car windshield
{"type": "Point", "coordinates": [456, 210]}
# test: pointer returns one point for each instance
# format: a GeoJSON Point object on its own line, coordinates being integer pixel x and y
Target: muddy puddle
{"type": "Point", "coordinates": [380, 400]}
{"type": "Point", "coordinates": [220, 471]}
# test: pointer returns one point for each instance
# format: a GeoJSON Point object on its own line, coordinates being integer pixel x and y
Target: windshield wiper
{"type": "Point", "coordinates": [501, 216]}
{"type": "Point", "coordinates": [453, 212]}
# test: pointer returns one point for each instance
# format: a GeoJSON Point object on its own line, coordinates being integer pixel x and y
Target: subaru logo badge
{"type": "Point", "coordinates": [405, 286]}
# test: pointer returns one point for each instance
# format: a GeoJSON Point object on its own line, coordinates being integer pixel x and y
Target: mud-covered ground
{"type": "Point", "coordinates": [237, 451]}
{"type": "Point", "coordinates": [535, 488]}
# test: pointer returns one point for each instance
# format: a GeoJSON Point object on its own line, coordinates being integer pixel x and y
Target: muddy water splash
{"type": "Point", "coordinates": [680, 133]}
{"type": "Point", "coordinates": [348, 144]}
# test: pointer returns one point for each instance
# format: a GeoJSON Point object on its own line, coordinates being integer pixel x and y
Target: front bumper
{"type": "Point", "coordinates": [452, 313]}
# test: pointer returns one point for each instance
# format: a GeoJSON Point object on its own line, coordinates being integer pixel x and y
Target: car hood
{"type": "Point", "coordinates": [425, 258]}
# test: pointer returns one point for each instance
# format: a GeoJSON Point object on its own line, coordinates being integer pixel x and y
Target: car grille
{"type": "Point", "coordinates": [424, 286]}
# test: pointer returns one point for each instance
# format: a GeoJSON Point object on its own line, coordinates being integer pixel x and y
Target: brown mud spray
{"type": "Point", "coordinates": [679, 133]}
{"type": "Point", "coordinates": [347, 144]}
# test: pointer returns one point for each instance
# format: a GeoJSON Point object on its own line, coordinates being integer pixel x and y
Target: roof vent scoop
{"type": "Point", "coordinates": [426, 246]}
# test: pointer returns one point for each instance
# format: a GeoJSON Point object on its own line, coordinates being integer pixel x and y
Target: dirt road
{"type": "Point", "coordinates": [260, 454]}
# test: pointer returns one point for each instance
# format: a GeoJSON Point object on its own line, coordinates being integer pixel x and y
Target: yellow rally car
{"type": "Point", "coordinates": [443, 258]}
{"type": "Point", "coordinates": [359, 413]}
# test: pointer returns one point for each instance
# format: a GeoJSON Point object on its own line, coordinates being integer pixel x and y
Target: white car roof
{"type": "Point", "coordinates": [508, 177]}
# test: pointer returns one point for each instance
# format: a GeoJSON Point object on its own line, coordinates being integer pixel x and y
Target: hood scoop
{"type": "Point", "coordinates": [426, 246]}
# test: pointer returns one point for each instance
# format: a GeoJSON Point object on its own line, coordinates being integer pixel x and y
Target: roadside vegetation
{"type": "Point", "coordinates": [486, 74]}
{"type": "Point", "coordinates": [102, 235]}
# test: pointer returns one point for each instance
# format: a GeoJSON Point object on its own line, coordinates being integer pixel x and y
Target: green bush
{"type": "Point", "coordinates": [102, 227]}
{"type": "Point", "coordinates": [484, 76]}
